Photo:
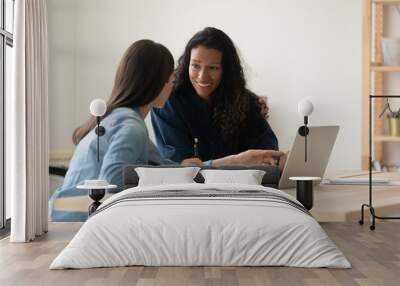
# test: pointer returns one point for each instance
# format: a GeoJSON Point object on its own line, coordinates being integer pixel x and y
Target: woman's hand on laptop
{"type": "Point", "coordinates": [258, 157]}
{"type": "Point", "coordinates": [192, 162]}
{"type": "Point", "coordinates": [282, 160]}
{"type": "Point", "coordinates": [250, 158]}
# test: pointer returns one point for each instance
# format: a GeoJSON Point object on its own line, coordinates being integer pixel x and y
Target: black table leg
{"type": "Point", "coordinates": [304, 193]}
{"type": "Point", "coordinates": [96, 195]}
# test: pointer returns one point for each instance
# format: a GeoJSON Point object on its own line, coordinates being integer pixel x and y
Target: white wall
{"type": "Point", "coordinates": [62, 66]}
{"type": "Point", "coordinates": [290, 49]}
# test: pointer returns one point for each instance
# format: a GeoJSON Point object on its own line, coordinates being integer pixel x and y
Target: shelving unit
{"type": "Point", "coordinates": [387, 138]}
{"type": "Point", "coordinates": [376, 68]}
{"type": "Point", "coordinates": [373, 77]}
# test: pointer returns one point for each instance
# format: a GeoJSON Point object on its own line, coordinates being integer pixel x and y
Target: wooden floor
{"type": "Point", "coordinates": [375, 257]}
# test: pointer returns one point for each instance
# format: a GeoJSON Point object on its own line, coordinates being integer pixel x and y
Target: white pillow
{"type": "Point", "coordinates": [164, 176]}
{"type": "Point", "coordinates": [248, 177]}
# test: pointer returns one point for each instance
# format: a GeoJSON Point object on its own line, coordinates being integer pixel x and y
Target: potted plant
{"type": "Point", "coordinates": [394, 122]}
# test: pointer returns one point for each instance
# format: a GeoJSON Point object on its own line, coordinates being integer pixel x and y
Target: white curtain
{"type": "Point", "coordinates": [28, 123]}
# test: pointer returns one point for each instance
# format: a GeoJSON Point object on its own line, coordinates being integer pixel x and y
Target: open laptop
{"type": "Point", "coordinates": [320, 141]}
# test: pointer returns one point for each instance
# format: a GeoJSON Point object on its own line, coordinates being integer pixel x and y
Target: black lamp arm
{"type": "Point", "coordinates": [303, 131]}
{"type": "Point", "coordinates": [100, 131]}
{"type": "Point", "coordinates": [305, 120]}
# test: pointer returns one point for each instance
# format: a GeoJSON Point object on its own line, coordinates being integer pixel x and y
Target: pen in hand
{"type": "Point", "coordinates": [196, 148]}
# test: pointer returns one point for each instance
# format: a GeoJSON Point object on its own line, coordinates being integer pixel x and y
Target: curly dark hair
{"type": "Point", "coordinates": [231, 102]}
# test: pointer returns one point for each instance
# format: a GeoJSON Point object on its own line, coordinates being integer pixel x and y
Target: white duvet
{"type": "Point", "coordinates": [200, 231]}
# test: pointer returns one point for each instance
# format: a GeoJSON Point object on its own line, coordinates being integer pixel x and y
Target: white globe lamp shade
{"type": "Point", "coordinates": [305, 107]}
{"type": "Point", "coordinates": [98, 107]}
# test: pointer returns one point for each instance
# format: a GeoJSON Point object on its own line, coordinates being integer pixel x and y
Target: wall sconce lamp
{"type": "Point", "coordinates": [98, 108]}
{"type": "Point", "coordinates": [305, 108]}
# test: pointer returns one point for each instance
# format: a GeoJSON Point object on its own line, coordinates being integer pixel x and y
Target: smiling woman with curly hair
{"type": "Point", "coordinates": [212, 109]}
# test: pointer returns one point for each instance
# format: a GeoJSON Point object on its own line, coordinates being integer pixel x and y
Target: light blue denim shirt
{"type": "Point", "coordinates": [126, 141]}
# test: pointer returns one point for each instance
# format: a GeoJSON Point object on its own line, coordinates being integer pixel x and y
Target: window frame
{"type": "Point", "coordinates": [6, 39]}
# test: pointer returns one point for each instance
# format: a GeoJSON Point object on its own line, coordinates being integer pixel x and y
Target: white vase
{"type": "Point", "coordinates": [391, 51]}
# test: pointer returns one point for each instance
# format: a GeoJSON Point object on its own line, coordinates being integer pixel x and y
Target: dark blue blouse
{"type": "Point", "coordinates": [186, 116]}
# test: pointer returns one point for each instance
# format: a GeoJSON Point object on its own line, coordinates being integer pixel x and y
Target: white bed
{"type": "Point", "coordinates": [185, 230]}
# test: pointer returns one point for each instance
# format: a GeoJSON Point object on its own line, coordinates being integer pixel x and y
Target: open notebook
{"type": "Point", "coordinates": [356, 181]}
{"type": "Point", "coordinates": [361, 181]}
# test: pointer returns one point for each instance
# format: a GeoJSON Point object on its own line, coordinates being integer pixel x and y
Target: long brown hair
{"type": "Point", "coordinates": [231, 102]}
{"type": "Point", "coordinates": [144, 69]}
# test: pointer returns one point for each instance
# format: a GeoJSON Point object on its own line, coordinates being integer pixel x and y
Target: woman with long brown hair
{"type": "Point", "coordinates": [211, 107]}
{"type": "Point", "coordinates": [144, 80]}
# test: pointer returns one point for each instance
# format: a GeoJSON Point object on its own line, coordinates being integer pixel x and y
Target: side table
{"type": "Point", "coordinates": [97, 190]}
{"type": "Point", "coordinates": [304, 190]}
